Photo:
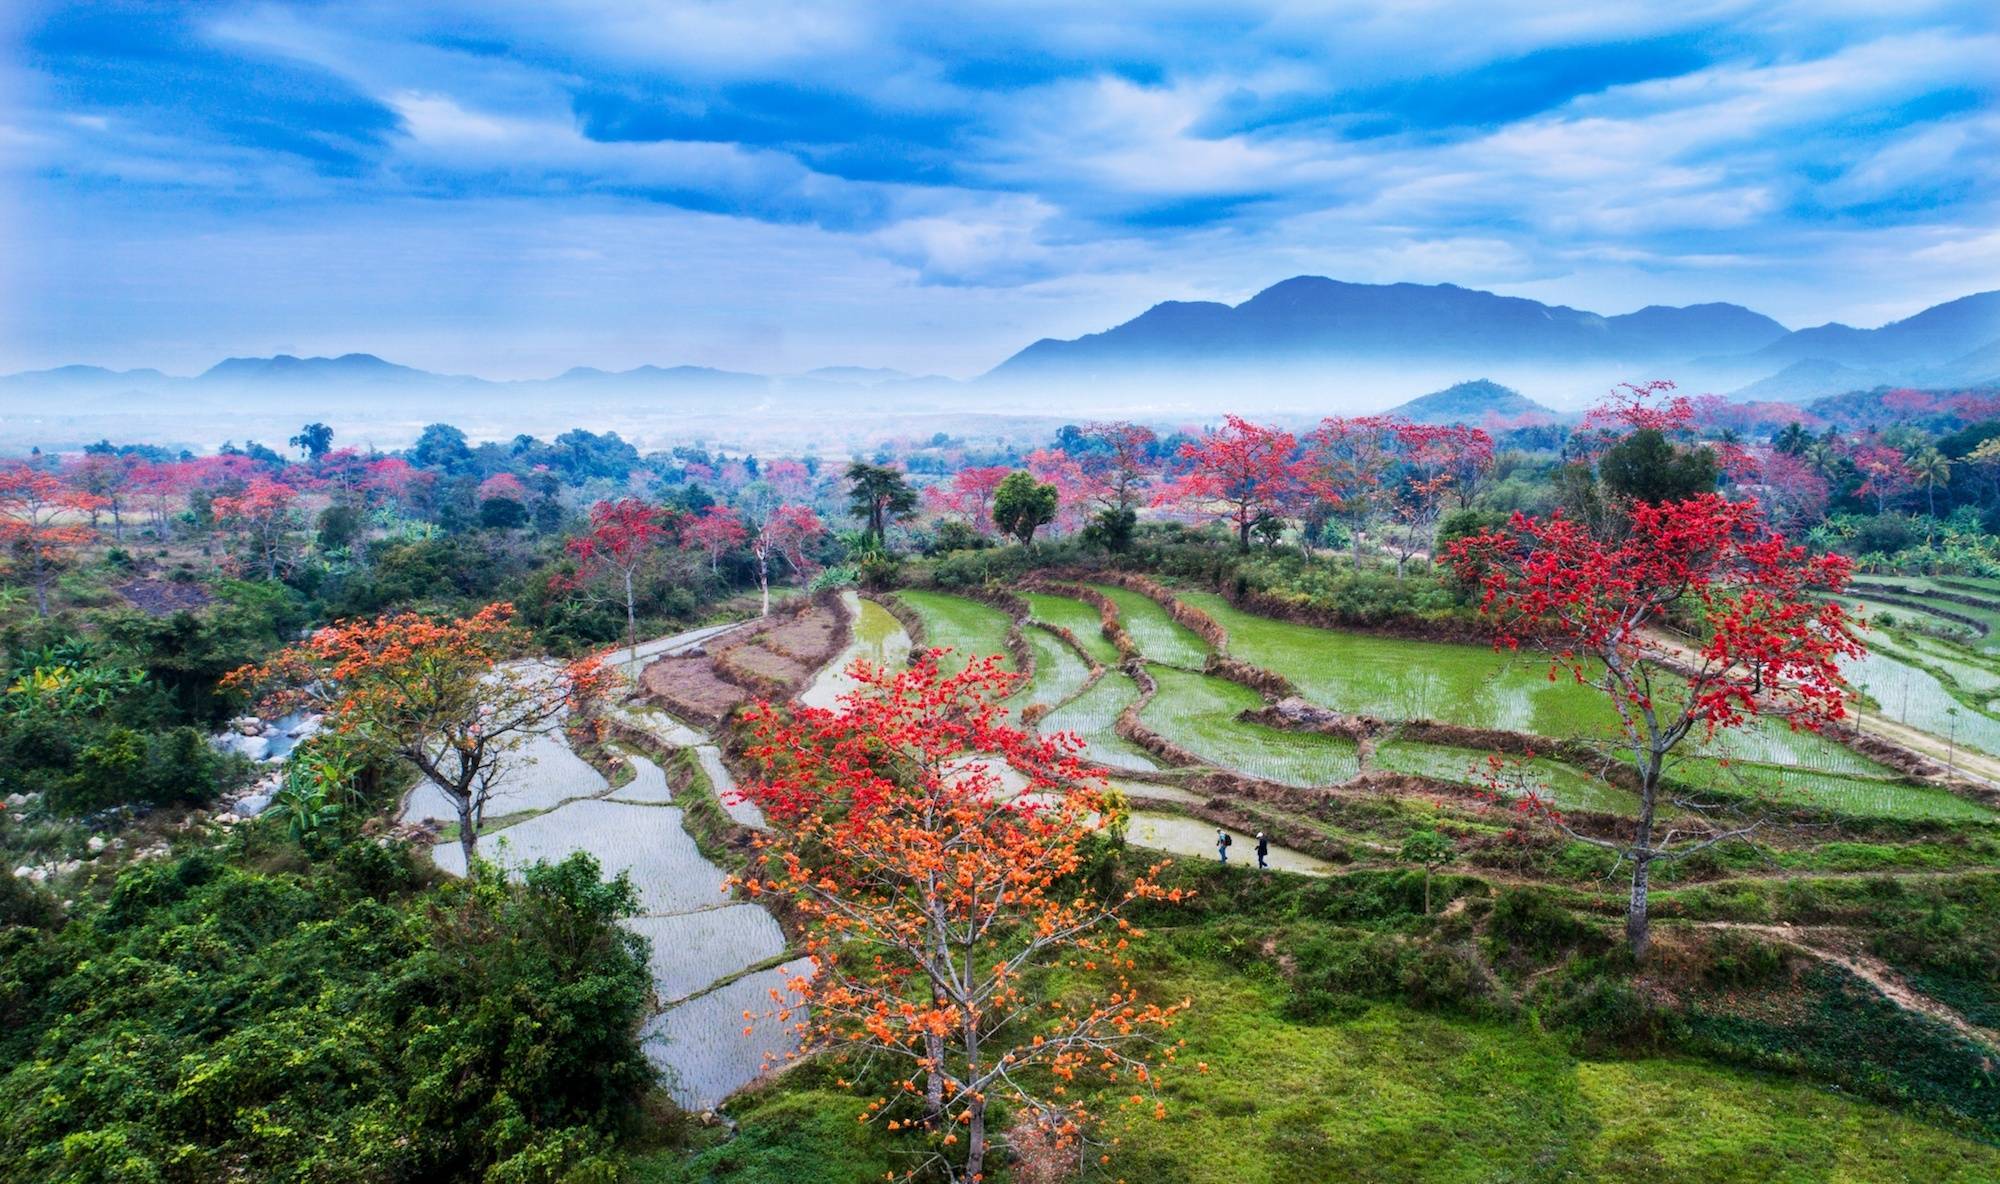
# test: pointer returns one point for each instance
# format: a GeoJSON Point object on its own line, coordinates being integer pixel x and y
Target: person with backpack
{"type": "Point", "coordinates": [1222, 841]}
{"type": "Point", "coordinates": [1263, 848]}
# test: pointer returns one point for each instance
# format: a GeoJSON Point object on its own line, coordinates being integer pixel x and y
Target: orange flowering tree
{"type": "Point", "coordinates": [439, 694]}
{"type": "Point", "coordinates": [35, 540]}
{"type": "Point", "coordinates": [262, 515]}
{"type": "Point", "coordinates": [939, 899]}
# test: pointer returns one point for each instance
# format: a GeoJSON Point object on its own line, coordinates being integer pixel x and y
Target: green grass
{"type": "Point", "coordinates": [1570, 788]}
{"type": "Point", "coordinates": [1091, 714]}
{"type": "Point", "coordinates": [970, 628]}
{"type": "Point", "coordinates": [1077, 617]}
{"type": "Point", "coordinates": [1159, 637]}
{"type": "Point", "coordinates": [1198, 712]}
{"type": "Point", "coordinates": [1059, 670]}
{"type": "Point", "coordinates": [1394, 1095]}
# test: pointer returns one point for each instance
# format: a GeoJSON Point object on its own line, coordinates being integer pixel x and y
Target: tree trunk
{"type": "Point", "coordinates": [1243, 536]}
{"type": "Point", "coordinates": [764, 580]}
{"type": "Point", "coordinates": [1427, 892]}
{"type": "Point", "coordinates": [631, 623]}
{"type": "Point", "coordinates": [468, 829]}
{"type": "Point", "coordinates": [975, 1141]}
{"type": "Point", "coordinates": [1637, 932]}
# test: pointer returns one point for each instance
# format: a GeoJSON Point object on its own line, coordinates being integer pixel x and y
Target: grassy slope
{"type": "Point", "coordinates": [1390, 1094]}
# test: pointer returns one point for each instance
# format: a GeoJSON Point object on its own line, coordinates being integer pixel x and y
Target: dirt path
{"type": "Point", "coordinates": [1819, 942]}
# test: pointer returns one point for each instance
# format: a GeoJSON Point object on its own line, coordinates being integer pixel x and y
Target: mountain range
{"type": "Point", "coordinates": [1339, 336]}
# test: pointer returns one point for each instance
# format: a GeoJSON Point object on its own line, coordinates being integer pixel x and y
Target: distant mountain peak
{"type": "Point", "coordinates": [1471, 403]}
{"type": "Point", "coordinates": [1316, 318]}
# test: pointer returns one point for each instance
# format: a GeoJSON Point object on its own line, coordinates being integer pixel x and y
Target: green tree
{"type": "Point", "coordinates": [1430, 850]}
{"type": "Point", "coordinates": [314, 439]}
{"type": "Point", "coordinates": [876, 495]}
{"type": "Point", "coordinates": [1647, 467]}
{"type": "Point", "coordinates": [1023, 505]}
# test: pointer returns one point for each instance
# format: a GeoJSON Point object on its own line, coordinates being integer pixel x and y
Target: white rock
{"type": "Point", "coordinates": [95, 844]}
{"type": "Point", "coordinates": [24, 872]}
{"type": "Point", "coordinates": [247, 725]}
{"type": "Point", "coordinates": [253, 805]}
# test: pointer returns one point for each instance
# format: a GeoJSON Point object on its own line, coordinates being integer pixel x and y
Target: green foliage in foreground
{"type": "Point", "coordinates": [209, 1022]}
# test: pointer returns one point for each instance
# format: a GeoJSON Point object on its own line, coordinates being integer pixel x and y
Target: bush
{"type": "Point", "coordinates": [1531, 921]}
{"type": "Point", "coordinates": [211, 1022]}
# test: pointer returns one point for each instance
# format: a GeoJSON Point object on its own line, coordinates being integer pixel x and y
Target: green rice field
{"type": "Point", "coordinates": [1862, 797]}
{"type": "Point", "coordinates": [1077, 617]}
{"type": "Point", "coordinates": [1394, 678]}
{"type": "Point", "coordinates": [1159, 637]}
{"type": "Point", "coordinates": [1091, 715]}
{"type": "Point", "coordinates": [1568, 787]}
{"type": "Point", "coordinates": [1198, 712]}
{"type": "Point", "coordinates": [970, 628]}
{"type": "Point", "coordinates": [1059, 670]}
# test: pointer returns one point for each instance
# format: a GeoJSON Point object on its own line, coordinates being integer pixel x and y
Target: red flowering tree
{"type": "Point", "coordinates": [716, 531]}
{"type": "Point", "coordinates": [36, 538]}
{"type": "Point", "coordinates": [1241, 474]}
{"type": "Point", "coordinates": [935, 899]}
{"type": "Point", "coordinates": [1437, 459]}
{"type": "Point", "coordinates": [1349, 460]}
{"type": "Point", "coordinates": [438, 694]}
{"type": "Point", "coordinates": [262, 516]}
{"type": "Point", "coordinates": [1885, 474]}
{"type": "Point", "coordinates": [1766, 644]}
{"type": "Point", "coordinates": [1052, 466]}
{"type": "Point", "coordinates": [104, 478]}
{"type": "Point", "coordinates": [624, 536]}
{"type": "Point", "coordinates": [785, 534]}
{"type": "Point", "coordinates": [1119, 474]}
{"type": "Point", "coordinates": [970, 493]}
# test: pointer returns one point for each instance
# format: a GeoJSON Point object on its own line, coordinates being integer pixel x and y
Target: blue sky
{"type": "Point", "coordinates": [510, 187]}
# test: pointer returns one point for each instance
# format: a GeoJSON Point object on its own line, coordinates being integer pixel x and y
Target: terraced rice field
{"type": "Point", "coordinates": [539, 775]}
{"type": "Point", "coordinates": [1059, 671]}
{"type": "Point", "coordinates": [1077, 617]}
{"type": "Point", "coordinates": [1091, 715]}
{"type": "Point", "coordinates": [1934, 593]}
{"type": "Point", "coordinates": [1159, 637]}
{"type": "Point", "coordinates": [874, 636]}
{"type": "Point", "coordinates": [1909, 694]}
{"type": "Point", "coordinates": [647, 841]}
{"type": "Point", "coordinates": [1395, 679]}
{"type": "Point", "coordinates": [1863, 797]}
{"type": "Point", "coordinates": [702, 1047]}
{"type": "Point", "coordinates": [1198, 712]}
{"type": "Point", "coordinates": [1568, 787]}
{"type": "Point", "coordinates": [969, 628]}
{"type": "Point", "coordinates": [692, 950]}
{"type": "Point", "coordinates": [1178, 834]}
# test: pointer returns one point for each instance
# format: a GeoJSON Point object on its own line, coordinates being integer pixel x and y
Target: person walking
{"type": "Point", "coordinates": [1222, 841]}
{"type": "Point", "coordinates": [1263, 848]}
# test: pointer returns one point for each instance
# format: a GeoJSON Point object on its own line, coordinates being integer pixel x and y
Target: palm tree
{"type": "Point", "coordinates": [1792, 439]}
{"type": "Point", "coordinates": [1931, 469]}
